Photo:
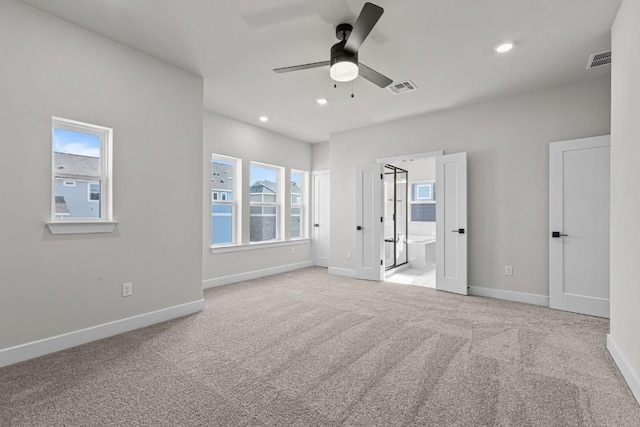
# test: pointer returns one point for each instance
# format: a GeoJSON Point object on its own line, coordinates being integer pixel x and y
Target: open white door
{"type": "Point", "coordinates": [579, 226]}
{"type": "Point", "coordinates": [321, 228]}
{"type": "Point", "coordinates": [369, 225]}
{"type": "Point", "coordinates": [451, 223]}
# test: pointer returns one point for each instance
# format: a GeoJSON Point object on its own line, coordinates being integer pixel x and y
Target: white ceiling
{"type": "Point", "coordinates": [444, 47]}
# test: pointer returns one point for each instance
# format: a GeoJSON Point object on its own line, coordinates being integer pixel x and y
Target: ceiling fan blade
{"type": "Point", "coordinates": [302, 67]}
{"type": "Point", "coordinates": [373, 76]}
{"type": "Point", "coordinates": [364, 24]}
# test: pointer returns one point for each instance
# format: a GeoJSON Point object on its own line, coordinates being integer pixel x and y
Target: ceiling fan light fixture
{"type": "Point", "coordinates": [344, 71]}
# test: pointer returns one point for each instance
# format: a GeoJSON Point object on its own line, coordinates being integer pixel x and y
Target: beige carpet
{"type": "Point", "coordinates": [309, 349]}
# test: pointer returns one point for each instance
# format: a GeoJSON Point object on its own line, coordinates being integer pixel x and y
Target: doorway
{"type": "Point", "coordinates": [418, 215]}
{"type": "Point", "coordinates": [321, 217]}
{"type": "Point", "coordinates": [451, 216]}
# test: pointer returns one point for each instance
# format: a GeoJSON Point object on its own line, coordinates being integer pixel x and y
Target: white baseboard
{"type": "Point", "coordinates": [31, 350]}
{"type": "Point", "coordinates": [629, 375]}
{"type": "Point", "coordinates": [509, 295]}
{"type": "Point", "coordinates": [346, 272]}
{"type": "Point", "coordinates": [226, 280]}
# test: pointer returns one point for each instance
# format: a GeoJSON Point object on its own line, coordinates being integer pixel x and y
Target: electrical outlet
{"type": "Point", "coordinates": [293, 251]}
{"type": "Point", "coordinates": [127, 289]}
{"type": "Point", "coordinates": [348, 254]}
{"type": "Point", "coordinates": [508, 270]}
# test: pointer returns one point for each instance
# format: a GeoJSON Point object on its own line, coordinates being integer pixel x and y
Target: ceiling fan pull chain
{"type": "Point", "coordinates": [352, 95]}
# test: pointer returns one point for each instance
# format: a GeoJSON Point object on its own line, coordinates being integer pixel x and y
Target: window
{"type": "Point", "coordinates": [298, 211]}
{"type": "Point", "coordinates": [264, 201]}
{"type": "Point", "coordinates": [81, 171]}
{"type": "Point", "coordinates": [224, 208]}
{"type": "Point", "coordinates": [423, 196]}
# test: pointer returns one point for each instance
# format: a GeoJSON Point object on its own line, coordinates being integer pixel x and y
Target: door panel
{"type": "Point", "coordinates": [579, 213]}
{"type": "Point", "coordinates": [451, 223]}
{"type": "Point", "coordinates": [369, 208]}
{"type": "Point", "coordinates": [321, 214]}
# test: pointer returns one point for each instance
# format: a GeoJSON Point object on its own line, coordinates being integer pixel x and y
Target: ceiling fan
{"type": "Point", "coordinates": [344, 65]}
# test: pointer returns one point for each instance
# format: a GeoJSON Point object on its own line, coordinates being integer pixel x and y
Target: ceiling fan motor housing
{"type": "Point", "coordinates": [344, 63]}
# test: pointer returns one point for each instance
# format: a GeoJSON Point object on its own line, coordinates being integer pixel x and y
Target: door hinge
{"type": "Point", "coordinates": [381, 219]}
{"type": "Point", "coordinates": [381, 262]}
{"type": "Point", "coordinates": [381, 176]}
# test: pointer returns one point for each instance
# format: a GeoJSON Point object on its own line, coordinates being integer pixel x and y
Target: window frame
{"type": "Point", "coordinates": [104, 177]}
{"type": "Point", "coordinates": [279, 215]}
{"type": "Point", "coordinates": [235, 203]}
{"type": "Point", "coordinates": [304, 178]}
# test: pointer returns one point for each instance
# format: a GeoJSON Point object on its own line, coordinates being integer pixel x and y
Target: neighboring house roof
{"type": "Point", "coordinates": [76, 164]}
{"type": "Point", "coordinates": [263, 186]}
{"type": "Point", "coordinates": [61, 205]}
{"type": "Point", "coordinates": [266, 186]}
{"type": "Point", "coordinates": [221, 176]}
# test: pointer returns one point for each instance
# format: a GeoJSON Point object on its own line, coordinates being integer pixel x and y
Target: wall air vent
{"type": "Point", "coordinates": [402, 87]}
{"type": "Point", "coordinates": [599, 60]}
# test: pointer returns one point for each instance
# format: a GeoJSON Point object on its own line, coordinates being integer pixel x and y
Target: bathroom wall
{"type": "Point", "coordinates": [420, 171]}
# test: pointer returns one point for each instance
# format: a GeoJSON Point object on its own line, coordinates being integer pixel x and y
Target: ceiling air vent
{"type": "Point", "coordinates": [599, 60]}
{"type": "Point", "coordinates": [402, 87]}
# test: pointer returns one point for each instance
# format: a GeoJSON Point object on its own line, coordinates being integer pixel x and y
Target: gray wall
{"type": "Point", "coordinates": [229, 137]}
{"type": "Point", "coordinates": [320, 156]}
{"type": "Point", "coordinates": [507, 142]}
{"type": "Point", "coordinates": [625, 185]}
{"type": "Point", "coordinates": [52, 285]}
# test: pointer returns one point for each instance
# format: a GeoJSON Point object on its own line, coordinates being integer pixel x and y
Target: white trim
{"type": "Point", "coordinates": [257, 245]}
{"type": "Point", "coordinates": [534, 299]}
{"type": "Point", "coordinates": [344, 272]}
{"type": "Point", "coordinates": [240, 277]}
{"type": "Point", "coordinates": [81, 227]}
{"type": "Point", "coordinates": [629, 375]}
{"type": "Point", "coordinates": [408, 157]}
{"type": "Point", "coordinates": [44, 346]}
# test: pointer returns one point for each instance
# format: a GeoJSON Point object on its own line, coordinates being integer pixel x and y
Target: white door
{"type": "Point", "coordinates": [579, 226]}
{"type": "Point", "coordinates": [451, 223]}
{"type": "Point", "coordinates": [369, 223]}
{"type": "Point", "coordinates": [321, 229]}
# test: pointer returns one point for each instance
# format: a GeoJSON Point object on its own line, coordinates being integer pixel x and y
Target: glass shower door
{"type": "Point", "coordinates": [395, 216]}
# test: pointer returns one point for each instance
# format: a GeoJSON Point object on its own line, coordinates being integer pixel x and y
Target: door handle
{"type": "Point", "coordinates": [359, 228]}
{"type": "Point", "coordinates": [316, 225]}
{"type": "Point", "coordinates": [459, 230]}
{"type": "Point", "coordinates": [557, 234]}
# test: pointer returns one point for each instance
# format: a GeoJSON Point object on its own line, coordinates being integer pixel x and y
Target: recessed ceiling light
{"type": "Point", "coordinates": [264, 118]}
{"type": "Point", "coordinates": [321, 101]}
{"type": "Point", "coordinates": [505, 47]}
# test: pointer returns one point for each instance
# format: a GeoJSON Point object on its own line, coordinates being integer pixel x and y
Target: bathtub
{"type": "Point", "coordinates": [422, 251]}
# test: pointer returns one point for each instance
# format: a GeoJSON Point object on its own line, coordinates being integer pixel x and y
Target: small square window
{"type": "Point", "coordinates": [94, 191]}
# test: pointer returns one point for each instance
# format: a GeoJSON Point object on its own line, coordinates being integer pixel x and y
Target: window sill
{"type": "Point", "coordinates": [257, 245]}
{"type": "Point", "coordinates": [81, 227]}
